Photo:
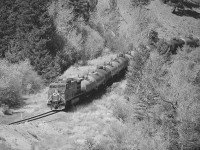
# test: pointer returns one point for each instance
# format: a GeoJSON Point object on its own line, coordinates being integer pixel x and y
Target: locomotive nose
{"type": "Point", "coordinates": [55, 95]}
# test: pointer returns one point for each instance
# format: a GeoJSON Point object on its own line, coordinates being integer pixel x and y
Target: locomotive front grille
{"type": "Point", "coordinates": [55, 98]}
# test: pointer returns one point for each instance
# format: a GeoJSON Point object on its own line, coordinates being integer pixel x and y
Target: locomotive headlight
{"type": "Point", "coordinates": [55, 94]}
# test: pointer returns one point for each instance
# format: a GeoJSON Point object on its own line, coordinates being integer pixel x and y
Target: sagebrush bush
{"type": "Point", "coordinates": [10, 96]}
{"type": "Point", "coordinates": [121, 110]}
{"type": "Point", "coordinates": [162, 46]}
{"type": "Point", "coordinates": [17, 79]}
{"type": "Point", "coordinates": [153, 37]}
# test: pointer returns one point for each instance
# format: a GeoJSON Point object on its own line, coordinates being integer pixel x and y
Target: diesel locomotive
{"type": "Point", "coordinates": [65, 92]}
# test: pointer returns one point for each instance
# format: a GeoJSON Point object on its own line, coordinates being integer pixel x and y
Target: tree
{"type": "Point", "coordinates": [6, 29]}
{"type": "Point", "coordinates": [83, 8]}
{"type": "Point", "coordinates": [29, 32]}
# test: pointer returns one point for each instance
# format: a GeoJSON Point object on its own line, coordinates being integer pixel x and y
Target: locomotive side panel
{"type": "Point", "coordinates": [88, 84]}
{"type": "Point", "coordinates": [100, 79]}
{"type": "Point", "coordinates": [71, 90]}
{"type": "Point", "coordinates": [105, 72]}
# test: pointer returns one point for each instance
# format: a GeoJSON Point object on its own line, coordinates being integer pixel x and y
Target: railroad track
{"type": "Point", "coordinates": [35, 117]}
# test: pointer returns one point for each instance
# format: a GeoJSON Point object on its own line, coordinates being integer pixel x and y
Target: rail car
{"type": "Point", "coordinates": [65, 92]}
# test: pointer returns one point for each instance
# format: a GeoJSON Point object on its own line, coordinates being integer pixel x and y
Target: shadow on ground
{"type": "Point", "coordinates": [190, 5]}
{"type": "Point", "coordinates": [188, 13]}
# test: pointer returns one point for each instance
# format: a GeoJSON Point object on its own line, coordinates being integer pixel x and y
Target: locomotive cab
{"type": "Point", "coordinates": [56, 95]}
{"type": "Point", "coordinates": [61, 92]}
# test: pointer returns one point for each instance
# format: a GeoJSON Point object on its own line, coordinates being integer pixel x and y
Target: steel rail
{"type": "Point", "coordinates": [35, 117]}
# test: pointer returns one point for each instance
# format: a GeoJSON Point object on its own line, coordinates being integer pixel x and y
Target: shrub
{"type": "Point", "coordinates": [137, 3]}
{"type": "Point", "coordinates": [153, 37]}
{"type": "Point", "coordinates": [10, 96]}
{"type": "Point", "coordinates": [15, 80]}
{"type": "Point", "coordinates": [162, 46]}
{"type": "Point", "coordinates": [121, 110]}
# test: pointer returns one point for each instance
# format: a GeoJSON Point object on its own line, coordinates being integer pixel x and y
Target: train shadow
{"type": "Point", "coordinates": [96, 94]}
{"type": "Point", "coordinates": [190, 5]}
{"type": "Point", "coordinates": [187, 13]}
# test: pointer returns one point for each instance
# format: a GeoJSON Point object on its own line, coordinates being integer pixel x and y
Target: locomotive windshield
{"type": "Point", "coordinates": [53, 86]}
{"type": "Point", "coordinates": [59, 87]}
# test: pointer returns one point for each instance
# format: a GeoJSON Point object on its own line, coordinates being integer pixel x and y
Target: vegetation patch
{"type": "Point", "coordinates": [17, 79]}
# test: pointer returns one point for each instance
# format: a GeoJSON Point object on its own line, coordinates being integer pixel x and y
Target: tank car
{"type": "Point", "coordinates": [124, 60]}
{"type": "Point", "coordinates": [98, 77]}
{"type": "Point", "coordinates": [109, 66]}
{"type": "Point", "coordinates": [116, 66]}
{"type": "Point", "coordinates": [129, 55]}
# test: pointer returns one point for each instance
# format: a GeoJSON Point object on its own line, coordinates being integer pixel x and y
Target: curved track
{"type": "Point", "coordinates": [36, 117]}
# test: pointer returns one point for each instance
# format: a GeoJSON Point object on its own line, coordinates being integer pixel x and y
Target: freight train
{"type": "Point", "coordinates": [65, 92]}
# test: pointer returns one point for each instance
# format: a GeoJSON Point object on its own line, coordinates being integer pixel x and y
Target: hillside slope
{"type": "Point", "coordinates": [173, 25]}
{"type": "Point", "coordinates": [94, 123]}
